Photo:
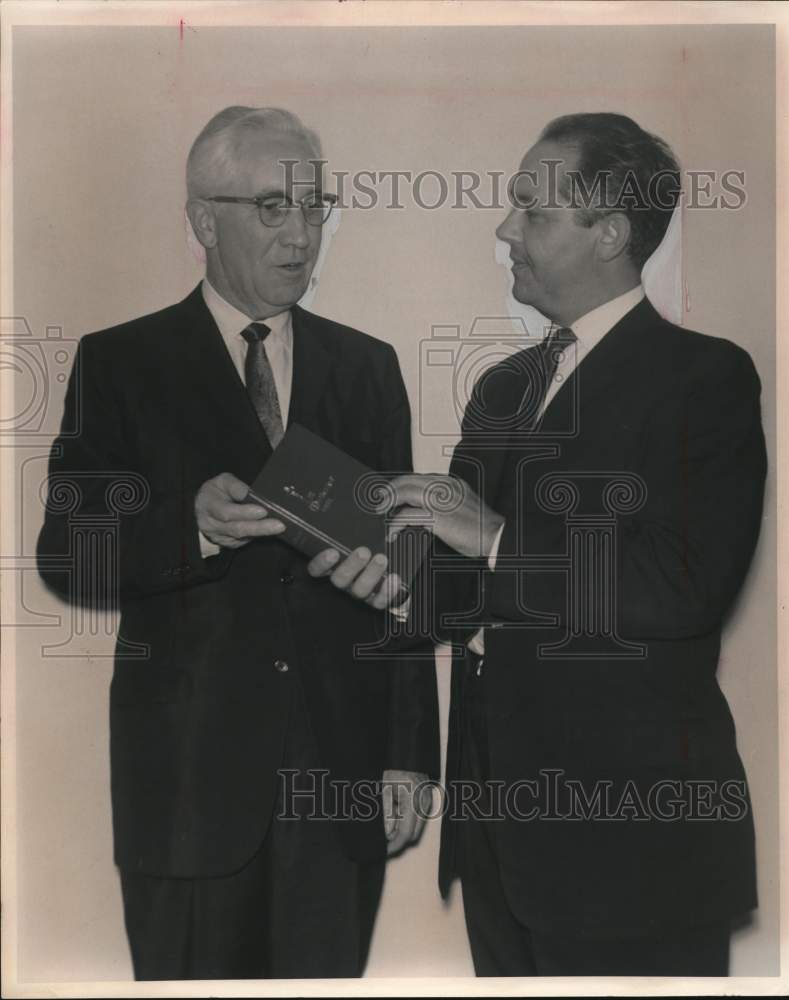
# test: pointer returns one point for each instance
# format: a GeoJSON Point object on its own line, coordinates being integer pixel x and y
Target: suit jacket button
{"type": "Point", "coordinates": [281, 666]}
{"type": "Point", "coordinates": [286, 578]}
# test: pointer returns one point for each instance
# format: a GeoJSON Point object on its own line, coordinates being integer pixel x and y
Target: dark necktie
{"type": "Point", "coordinates": [539, 369]}
{"type": "Point", "coordinates": [259, 379]}
{"type": "Point", "coordinates": [535, 369]}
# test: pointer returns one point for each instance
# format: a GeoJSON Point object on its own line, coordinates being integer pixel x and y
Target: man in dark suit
{"type": "Point", "coordinates": [608, 495]}
{"type": "Point", "coordinates": [226, 873]}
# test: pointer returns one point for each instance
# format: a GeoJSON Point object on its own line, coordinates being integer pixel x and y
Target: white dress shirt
{"type": "Point", "coordinates": [589, 330]}
{"type": "Point", "coordinates": [279, 351]}
{"type": "Point", "coordinates": [278, 344]}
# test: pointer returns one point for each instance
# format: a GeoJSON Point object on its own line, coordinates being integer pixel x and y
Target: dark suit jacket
{"type": "Point", "coordinates": [197, 728]}
{"type": "Point", "coordinates": [679, 412]}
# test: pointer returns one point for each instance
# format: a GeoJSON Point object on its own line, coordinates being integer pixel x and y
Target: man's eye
{"type": "Point", "coordinates": [273, 204]}
{"type": "Point", "coordinates": [525, 203]}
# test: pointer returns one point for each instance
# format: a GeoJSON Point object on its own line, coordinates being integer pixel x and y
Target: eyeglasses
{"type": "Point", "coordinates": [273, 209]}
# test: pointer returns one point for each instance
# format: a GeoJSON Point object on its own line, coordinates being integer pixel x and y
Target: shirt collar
{"type": "Point", "coordinates": [593, 326]}
{"type": "Point", "coordinates": [232, 321]}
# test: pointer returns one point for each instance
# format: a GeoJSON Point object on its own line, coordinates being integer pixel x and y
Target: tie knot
{"type": "Point", "coordinates": [255, 333]}
{"type": "Point", "coordinates": [563, 335]}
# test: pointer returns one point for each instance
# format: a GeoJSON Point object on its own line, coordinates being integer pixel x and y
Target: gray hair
{"type": "Point", "coordinates": [215, 151]}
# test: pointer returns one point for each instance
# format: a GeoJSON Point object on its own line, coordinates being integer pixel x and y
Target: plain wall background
{"type": "Point", "coordinates": [103, 119]}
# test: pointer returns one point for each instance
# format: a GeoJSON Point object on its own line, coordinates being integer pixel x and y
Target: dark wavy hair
{"type": "Point", "coordinates": [621, 168]}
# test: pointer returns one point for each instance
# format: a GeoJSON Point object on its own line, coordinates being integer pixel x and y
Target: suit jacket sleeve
{"type": "Point", "coordinates": [93, 478]}
{"type": "Point", "coordinates": [448, 602]}
{"type": "Point", "coordinates": [685, 554]}
{"type": "Point", "coordinates": [681, 557]}
{"type": "Point", "coordinates": [413, 730]}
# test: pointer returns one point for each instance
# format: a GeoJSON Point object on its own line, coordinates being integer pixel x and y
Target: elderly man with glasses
{"type": "Point", "coordinates": [248, 690]}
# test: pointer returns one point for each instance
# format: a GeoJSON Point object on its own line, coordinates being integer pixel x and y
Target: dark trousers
{"type": "Point", "coordinates": [299, 909]}
{"type": "Point", "coordinates": [502, 946]}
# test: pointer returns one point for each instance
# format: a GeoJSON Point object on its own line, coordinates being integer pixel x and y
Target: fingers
{"type": "Point", "coordinates": [224, 517]}
{"type": "Point", "coordinates": [425, 798]}
{"type": "Point", "coordinates": [366, 583]}
{"type": "Point", "coordinates": [232, 486]}
{"type": "Point", "coordinates": [395, 830]}
{"type": "Point", "coordinates": [399, 840]}
{"type": "Point", "coordinates": [347, 571]}
{"type": "Point", "coordinates": [426, 492]}
{"type": "Point", "coordinates": [390, 821]}
{"type": "Point", "coordinates": [220, 505]}
{"type": "Point", "coordinates": [421, 804]}
{"type": "Point", "coordinates": [406, 805]}
{"type": "Point", "coordinates": [359, 573]}
{"type": "Point", "coordinates": [405, 823]}
{"type": "Point", "coordinates": [390, 591]}
{"type": "Point", "coordinates": [406, 517]}
{"type": "Point", "coordinates": [253, 529]}
{"type": "Point", "coordinates": [225, 511]}
{"type": "Point", "coordinates": [237, 529]}
{"type": "Point", "coordinates": [234, 534]}
{"type": "Point", "coordinates": [409, 489]}
{"type": "Point", "coordinates": [323, 563]}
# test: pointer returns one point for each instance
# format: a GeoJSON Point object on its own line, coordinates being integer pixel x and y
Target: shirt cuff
{"type": "Point", "coordinates": [494, 549]}
{"type": "Point", "coordinates": [477, 643]}
{"type": "Point", "coordinates": [402, 611]}
{"type": "Point", "coordinates": [207, 547]}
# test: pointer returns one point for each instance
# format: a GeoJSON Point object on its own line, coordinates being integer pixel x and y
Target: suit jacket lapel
{"type": "Point", "coordinates": [598, 374]}
{"type": "Point", "coordinates": [212, 376]}
{"type": "Point", "coordinates": [594, 379]}
{"type": "Point", "coordinates": [312, 365]}
{"type": "Point", "coordinates": [488, 437]}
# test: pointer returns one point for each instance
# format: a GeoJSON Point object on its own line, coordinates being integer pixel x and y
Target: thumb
{"type": "Point", "coordinates": [234, 487]}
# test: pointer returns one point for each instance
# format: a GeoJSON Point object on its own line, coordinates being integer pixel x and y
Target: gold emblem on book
{"type": "Point", "coordinates": [318, 502]}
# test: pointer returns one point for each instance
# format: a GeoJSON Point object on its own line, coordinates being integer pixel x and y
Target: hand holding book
{"type": "Point", "coordinates": [454, 513]}
{"type": "Point", "coordinates": [226, 519]}
{"type": "Point", "coordinates": [334, 509]}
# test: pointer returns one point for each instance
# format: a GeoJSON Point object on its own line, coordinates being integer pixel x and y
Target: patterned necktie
{"type": "Point", "coordinates": [260, 382]}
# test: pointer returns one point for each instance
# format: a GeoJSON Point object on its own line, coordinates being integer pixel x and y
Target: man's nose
{"type": "Point", "coordinates": [293, 231]}
{"type": "Point", "coordinates": [506, 230]}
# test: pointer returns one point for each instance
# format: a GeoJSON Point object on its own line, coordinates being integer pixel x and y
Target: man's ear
{"type": "Point", "coordinates": [201, 216]}
{"type": "Point", "coordinates": [613, 235]}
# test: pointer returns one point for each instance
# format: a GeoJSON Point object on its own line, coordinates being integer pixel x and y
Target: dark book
{"type": "Point", "coordinates": [326, 499]}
